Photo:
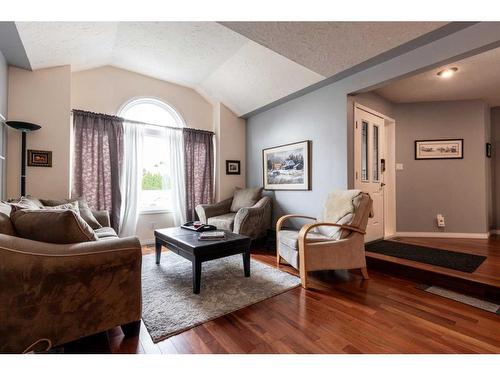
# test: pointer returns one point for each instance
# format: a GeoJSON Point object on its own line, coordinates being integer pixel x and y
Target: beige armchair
{"type": "Point", "coordinates": [247, 213]}
{"type": "Point", "coordinates": [326, 245]}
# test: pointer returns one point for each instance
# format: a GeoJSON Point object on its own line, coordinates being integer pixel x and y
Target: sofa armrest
{"type": "Point", "coordinates": [64, 292]}
{"type": "Point", "coordinates": [254, 221]}
{"type": "Point", "coordinates": [205, 211]}
{"type": "Point", "coordinates": [102, 217]}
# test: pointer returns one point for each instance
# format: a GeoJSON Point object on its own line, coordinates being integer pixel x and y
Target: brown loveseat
{"type": "Point", "coordinates": [56, 293]}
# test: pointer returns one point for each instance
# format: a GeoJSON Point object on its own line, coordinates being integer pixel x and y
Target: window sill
{"type": "Point", "coordinates": [155, 211]}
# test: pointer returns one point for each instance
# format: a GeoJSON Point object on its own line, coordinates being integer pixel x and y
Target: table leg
{"type": "Point", "coordinates": [158, 244]}
{"type": "Point", "coordinates": [246, 262]}
{"type": "Point", "coordinates": [196, 276]}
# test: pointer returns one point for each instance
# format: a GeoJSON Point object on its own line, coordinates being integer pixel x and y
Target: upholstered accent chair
{"type": "Point", "coordinates": [247, 212]}
{"type": "Point", "coordinates": [328, 244]}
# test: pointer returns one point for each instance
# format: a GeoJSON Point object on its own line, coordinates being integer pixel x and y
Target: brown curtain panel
{"type": "Point", "coordinates": [97, 161]}
{"type": "Point", "coordinates": [199, 167]}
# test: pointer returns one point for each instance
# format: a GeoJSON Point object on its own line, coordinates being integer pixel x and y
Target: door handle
{"type": "Point", "coordinates": [382, 184]}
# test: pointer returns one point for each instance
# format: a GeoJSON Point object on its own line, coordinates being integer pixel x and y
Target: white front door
{"type": "Point", "coordinates": [369, 150]}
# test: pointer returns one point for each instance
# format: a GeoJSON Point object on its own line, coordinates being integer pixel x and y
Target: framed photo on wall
{"type": "Point", "coordinates": [37, 158]}
{"type": "Point", "coordinates": [439, 149]}
{"type": "Point", "coordinates": [287, 167]}
{"type": "Point", "coordinates": [233, 167]}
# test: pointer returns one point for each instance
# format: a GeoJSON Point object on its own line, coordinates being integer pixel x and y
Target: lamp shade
{"type": "Point", "coordinates": [23, 126]}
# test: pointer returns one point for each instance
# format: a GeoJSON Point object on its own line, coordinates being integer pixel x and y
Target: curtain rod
{"type": "Point", "coordinates": [113, 117]}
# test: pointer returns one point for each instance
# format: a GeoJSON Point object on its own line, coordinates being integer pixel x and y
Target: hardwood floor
{"type": "Point", "coordinates": [341, 313]}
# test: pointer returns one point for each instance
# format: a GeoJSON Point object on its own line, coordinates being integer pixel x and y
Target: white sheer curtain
{"type": "Point", "coordinates": [131, 180]}
{"type": "Point", "coordinates": [175, 170]}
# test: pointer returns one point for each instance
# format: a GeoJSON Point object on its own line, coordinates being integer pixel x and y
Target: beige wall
{"type": "Point", "coordinates": [106, 89]}
{"type": "Point", "coordinates": [230, 135]}
{"type": "Point", "coordinates": [41, 97]}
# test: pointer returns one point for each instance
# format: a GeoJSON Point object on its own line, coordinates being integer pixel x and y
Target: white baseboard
{"type": "Point", "coordinates": [147, 242]}
{"type": "Point", "coordinates": [444, 235]}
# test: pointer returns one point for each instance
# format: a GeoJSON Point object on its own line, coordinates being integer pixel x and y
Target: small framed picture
{"type": "Point", "coordinates": [233, 167]}
{"type": "Point", "coordinates": [488, 150]}
{"type": "Point", "coordinates": [37, 158]}
{"type": "Point", "coordinates": [439, 149]}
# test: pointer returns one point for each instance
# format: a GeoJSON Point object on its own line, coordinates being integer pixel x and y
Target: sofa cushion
{"type": "Point", "coordinates": [225, 221]}
{"type": "Point", "coordinates": [105, 232]}
{"type": "Point", "coordinates": [67, 206]}
{"type": "Point", "coordinates": [53, 226]}
{"type": "Point", "coordinates": [290, 238]}
{"type": "Point", "coordinates": [85, 211]}
{"type": "Point", "coordinates": [245, 198]}
{"type": "Point", "coordinates": [6, 226]}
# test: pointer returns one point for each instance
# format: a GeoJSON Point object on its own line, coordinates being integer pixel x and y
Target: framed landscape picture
{"type": "Point", "coordinates": [287, 167]}
{"type": "Point", "coordinates": [439, 149]}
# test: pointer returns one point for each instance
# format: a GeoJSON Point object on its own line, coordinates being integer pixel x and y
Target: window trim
{"type": "Point", "coordinates": [179, 119]}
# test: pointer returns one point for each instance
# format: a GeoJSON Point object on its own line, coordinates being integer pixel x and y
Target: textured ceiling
{"type": "Point", "coordinates": [257, 64]}
{"type": "Point", "coordinates": [206, 56]}
{"type": "Point", "coordinates": [331, 47]}
{"type": "Point", "coordinates": [477, 78]}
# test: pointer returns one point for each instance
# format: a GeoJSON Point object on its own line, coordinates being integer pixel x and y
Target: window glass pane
{"type": "Point", "coordinates": [150, 113]}
{"type": "Point", "coordinates": [155, 180]}
{"type": "Point", "coordinates": [375, 158]}
{"type": "Point", "coordinates": [364, 151]}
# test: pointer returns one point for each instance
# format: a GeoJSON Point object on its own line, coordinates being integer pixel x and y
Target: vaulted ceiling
{"type": "Point", "coordinates": [245, 65]}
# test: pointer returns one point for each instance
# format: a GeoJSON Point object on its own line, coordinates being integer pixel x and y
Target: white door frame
{"type": "Point", "coordinates": [390, 169]}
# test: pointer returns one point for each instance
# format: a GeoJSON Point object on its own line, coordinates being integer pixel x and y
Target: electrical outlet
{"type": "Point", "coordinates": [440, 221]}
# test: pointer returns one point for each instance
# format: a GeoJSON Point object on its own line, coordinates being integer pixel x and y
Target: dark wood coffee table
{"type": "Point", "coordinates": [186, 243]}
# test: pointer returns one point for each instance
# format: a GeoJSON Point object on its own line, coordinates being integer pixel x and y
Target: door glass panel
{"type": "Point", "coordinates": [375, 156]}
{"type": "Point", "coordinates": [364, 151]}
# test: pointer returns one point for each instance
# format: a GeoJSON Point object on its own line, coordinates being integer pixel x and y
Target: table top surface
{"type": "Point", "coordinates": [189, 238]}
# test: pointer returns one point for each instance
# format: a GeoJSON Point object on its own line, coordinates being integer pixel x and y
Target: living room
{"type": "Point", "coordinates": [191, 186]}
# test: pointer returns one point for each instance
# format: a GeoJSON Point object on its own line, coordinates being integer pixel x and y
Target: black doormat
{"type": "Point", "coordinates": [437, 257]}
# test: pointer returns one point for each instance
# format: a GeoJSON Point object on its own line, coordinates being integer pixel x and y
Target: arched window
{"type": "Point", "coordinates": [156, 179]}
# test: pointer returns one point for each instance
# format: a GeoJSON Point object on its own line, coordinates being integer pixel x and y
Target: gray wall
{"type": "Point", "coordinates": [320, 117]}
{"type": "Point", "coordinates": [459, 188]}
{"type": "Point", "coordinates": [495, 165]}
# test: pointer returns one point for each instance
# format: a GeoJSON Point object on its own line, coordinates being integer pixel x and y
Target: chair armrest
{"type": "Point", "coordinates": [282, 220]}
{"type": "Point", "coordinates": [308, 227]}
{"type": "Point", "coordinates": [254, 220]}
{"type": "Point", "coordinates": [50, 287]}
{"type": "Point", "coordinates": [205, 211]}
{"type": "Point", "coordinates": [102, 217]}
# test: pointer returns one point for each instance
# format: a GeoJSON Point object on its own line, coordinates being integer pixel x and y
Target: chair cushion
{"type": "Point", "coordinates": [225, 221]}
{"type": "Point", "coordinates": [85, 211]}
{"type": "Point", "coordinates": [245, 198]}
{"type": "Point", "coordinates": [105, 232]}
{"type": "Point", "coordinates": [53, 226]}
{"type": "Point", "coordinates": [290, 238]}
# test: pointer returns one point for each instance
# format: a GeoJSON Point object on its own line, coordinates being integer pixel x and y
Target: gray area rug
{"type": "Point", "coordinates": [459, 297]}
{"type": "Point", "coordinates": [170, 307]}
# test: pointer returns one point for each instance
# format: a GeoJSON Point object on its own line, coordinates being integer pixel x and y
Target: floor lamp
{"type": "Point", "coordinates": [23, 127]}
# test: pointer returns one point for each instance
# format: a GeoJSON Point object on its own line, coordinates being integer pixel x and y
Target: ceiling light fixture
{"type": "Point", "coordinates": [447, 73]}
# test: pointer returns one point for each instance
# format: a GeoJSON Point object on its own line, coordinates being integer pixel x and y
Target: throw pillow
{"type": "Point", "coordinates": [67, 206]}
{"type": "Point", "coordinates": [6, 226]}
{"type": "Point", "coordinates": [85, 211]}
{"type": "Point", "coordinates": [25, 203]}
{"type": "Point", "coordinates": [245, 198]}
{"type": "Point", "coordinates": [53, 226]}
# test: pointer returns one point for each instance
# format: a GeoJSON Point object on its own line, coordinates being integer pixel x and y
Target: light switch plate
{"type": "Point", "coordinates": [399, 166]}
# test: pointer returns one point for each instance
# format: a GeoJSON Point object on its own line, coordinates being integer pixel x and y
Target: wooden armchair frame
{"type": "Point", "coordinates": [345, 253]}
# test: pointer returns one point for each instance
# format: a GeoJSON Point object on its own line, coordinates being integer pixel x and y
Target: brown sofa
{"type": "Point", "coordinates": [56, 293]}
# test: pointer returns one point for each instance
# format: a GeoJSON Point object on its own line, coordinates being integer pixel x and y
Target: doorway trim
{"type": "Point", "coordinates": [390, 171]}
